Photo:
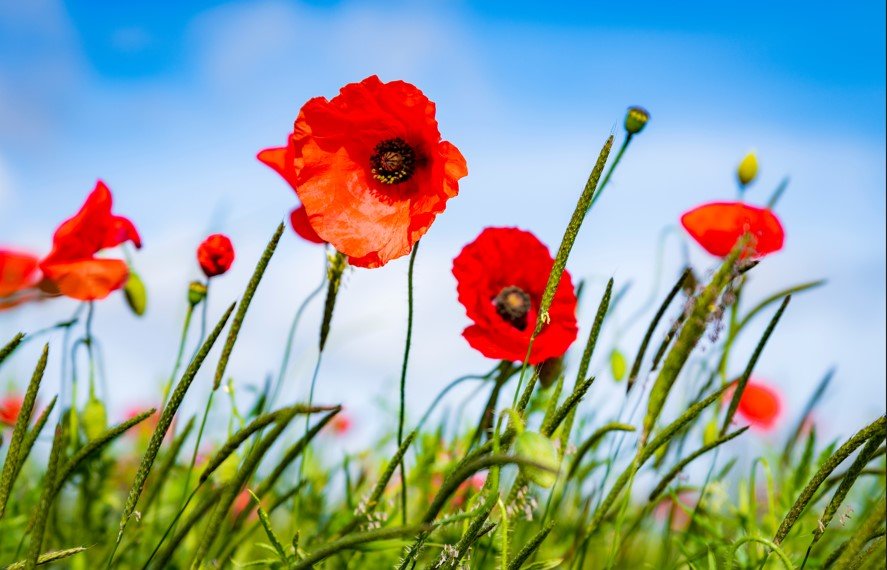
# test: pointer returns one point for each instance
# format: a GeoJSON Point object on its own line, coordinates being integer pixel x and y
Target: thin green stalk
{"type": "Point", "coordinates": [401, 418]}
{"type": "Point", "coordinates": [613, 165]}
{"type": "Point", "coordinates": [10, 346]}
{"type": "Point", "coordinates": [179, 354]}
{"type": "Point", "coordinates": [353, 540]}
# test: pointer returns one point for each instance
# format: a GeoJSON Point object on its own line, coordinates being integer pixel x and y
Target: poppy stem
{"type": "Point", "coordinates": [403, 384]}
{"type": "Point", "coordinates": [185, 327]}
{"type": "Point", "coordinates": [90, 309]}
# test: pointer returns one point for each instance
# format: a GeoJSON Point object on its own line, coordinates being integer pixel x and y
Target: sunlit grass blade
{"type": "Point", "coordinates": [162, 473]}
{"type": "Point", "coordinates": [12, 463]}
{"type": "Point", "coordinates": [356, 539]}
{"type": "Point", "coordinates": [530, 547]}
{"type": "Point", "coordinates": [871, 529]}
{"type": "Point", "coordinates": [33, 434]}
{"type": "Point", "coordinates": [237, 322]}
{"type": "Point", "coordinates": [592, 441]}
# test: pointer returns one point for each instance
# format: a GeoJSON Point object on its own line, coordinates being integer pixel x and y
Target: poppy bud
{"type": "Point", "coordinates": [95, 418]}
{"type": "Point", "coordinates": [136, 294]}
{"type": "Point", "coordinates": [215, 255]}
{"type": "Point", "coordinates": [539, 449]}
{"type": "Point", "coordinates": [196, 293]}
{"type": "Point", "coordinates": [550, 371]}
{"type": "Point", "coordinates": [636, 119]}
{"type": "Point", "coordinates": [747, 170]}
{"type": "Point", "coordinates": [710, 434]}
{"type": "Point", "coordinates": [617, 365]}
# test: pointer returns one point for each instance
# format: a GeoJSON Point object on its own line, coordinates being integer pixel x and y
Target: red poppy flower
{"type": "Point", "coordinates": [341, 424]}
{"type": "Point", "coordinates": [760, 405]}
{"type": "Point", "coordinates": [72, 265]}
{"type": "Point", "coordinates": [501, 276]}
{"type": "Point", "coordinates": [717, 227]}
{"type": "Point", "coordinates": [282, 160]}
{"type": "Point", "coordinates": [371, 169]}
{"type": "Point", "coordinates": [17, 271]}
{"type": "Point", "coordinates": [10, 407]}
{"type": "Point", "coordinates": [215, 255]}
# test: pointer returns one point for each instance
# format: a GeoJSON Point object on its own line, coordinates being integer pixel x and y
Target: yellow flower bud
{"type": "Point", "coordinates": [636, 119]}
{"type": "Point", "coordinates": [136, 294]}
{"type": "Point", "coordinates": [537, 448]}
{"type": "Point", "coordinates": [747, 169]}
{"type": "Point", "coordinates": [618, 365]}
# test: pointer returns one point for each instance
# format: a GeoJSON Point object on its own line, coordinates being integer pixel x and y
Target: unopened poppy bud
{"type": "Point", "coordinates": [215, 255]}
{"type": "Point", "coordinates": [196, 293]}
{"type": "Point", "coordinates": [618, 365]}
{"type": "Point", "coordinates": [747, 170]}
{"type": "Point", "coordinates": [136, 294]}
{"type": "Point", "coordinates": [636, 119]}
{"type": "Point", "coordinates": [550, 371]}
{"type": "Point", "coordinates": [95, 418]}
{"type": "Point", "coordinates": [539, 449]}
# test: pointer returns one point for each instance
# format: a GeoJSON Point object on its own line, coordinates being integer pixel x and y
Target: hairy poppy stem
{"type": "Point", "coordinates": [181, 352]}
{"type": "Point", "coordinates": [403, 384]}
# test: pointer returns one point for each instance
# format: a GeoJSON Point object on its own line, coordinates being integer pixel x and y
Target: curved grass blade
{"type": "Point", "coordinates": [874, 429]}
{"type": "Point", "coordinates": [251, 287]}
{"type": "Point", "coordinates": [530, 547]}
{"type": "Point", "coordinates": [12, 463]}
{"type": "Point", "coordinates": [166, 466]}
{"type": "Point", "coordinates": [356, 539]}
{"type": "Point", "coordinates": [679, 466]}
{"type": "Point", "coordinates": [33, 434]}
{"type": "Point", "coordinates": [777, 297]}
{"type": "Point", "coordinates": [593, 440]}
{"type": "Point", "coordinates": [48, 557]}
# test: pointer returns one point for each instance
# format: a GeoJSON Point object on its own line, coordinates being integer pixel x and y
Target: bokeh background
{"type": "Point", "coordinates": [169, 103]}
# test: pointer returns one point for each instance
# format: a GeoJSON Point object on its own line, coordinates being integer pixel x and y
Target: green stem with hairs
{"type": "Point", "coordinates": [403, 385]}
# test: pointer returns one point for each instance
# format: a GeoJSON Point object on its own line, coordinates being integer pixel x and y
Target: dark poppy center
{"type": "Point", "coordinates": [513, 304]}
{"type": "Point", "coordinates": [393, 161]}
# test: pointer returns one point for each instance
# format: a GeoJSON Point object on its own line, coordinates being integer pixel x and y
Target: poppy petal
{"type": "Point", "coordinates": [717, 226]}
{"type": "Point", "coordinates": [302, 227]}
{"type": "Point", "coordinates": [88, 279]}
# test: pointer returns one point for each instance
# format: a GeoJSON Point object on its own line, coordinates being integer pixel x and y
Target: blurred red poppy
{"type": "Point", "coordinates": [371, 169]}
{"type": "Point", "coordinates": [501, 277]}
{"type": "Point", "coordinates": [282, 160]}
{"type": "Point", "coordinates": [72, 265]}
{"type": "Point", "coordinates": [215, 255]}
{"type": "Point", "coordinates": [717, 227]}
{"type": "Point", "coordinates": [17, 271]}
{"type": "Point", "coordinates": [10, 407]}
{"type": "Point", "coordinates": [760, 405]}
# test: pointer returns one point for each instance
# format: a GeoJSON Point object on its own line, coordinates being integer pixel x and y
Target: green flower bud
{"type": "Point", "coordinates": [196, 293]}
{"type": "Point", "coordinates": [538, 448]}
{"type": "Point", "coordinates": [95, 418]}
{"type": "Point", "coordinates": [710, 435]}
{"type": "Point", "coordinates": [747, 170]}
{"type": "Point", "coordinates": [636, 119]}
{"type": "Point", "coordinates": [136, 294]}
{"type": "Point", "coordinates": [618, 365]}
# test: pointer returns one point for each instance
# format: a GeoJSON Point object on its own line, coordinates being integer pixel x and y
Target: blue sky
{"type": "Point", "coordinates": [169, 102]}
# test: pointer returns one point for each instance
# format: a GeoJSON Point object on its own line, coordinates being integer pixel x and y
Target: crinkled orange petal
{"type": "Point", "coordinates": [17, 271]}
{"type": "Point", "coordinates": [717, 227]}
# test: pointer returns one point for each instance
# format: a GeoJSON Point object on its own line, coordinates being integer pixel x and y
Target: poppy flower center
{"type": "Point", "coordinates": [512, 304]}
{"type": "Point", "coordinates": [393, 161]}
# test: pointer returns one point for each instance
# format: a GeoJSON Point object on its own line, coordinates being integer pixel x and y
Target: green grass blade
{"type": "Point", "coordinates": [251, 287]}
{"type": "Point", "coordinates": [12, 464]}
{"type": "Point", "coordinates": [41, 513]}
{"type": "Point", "coordinates": [10, 346]}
